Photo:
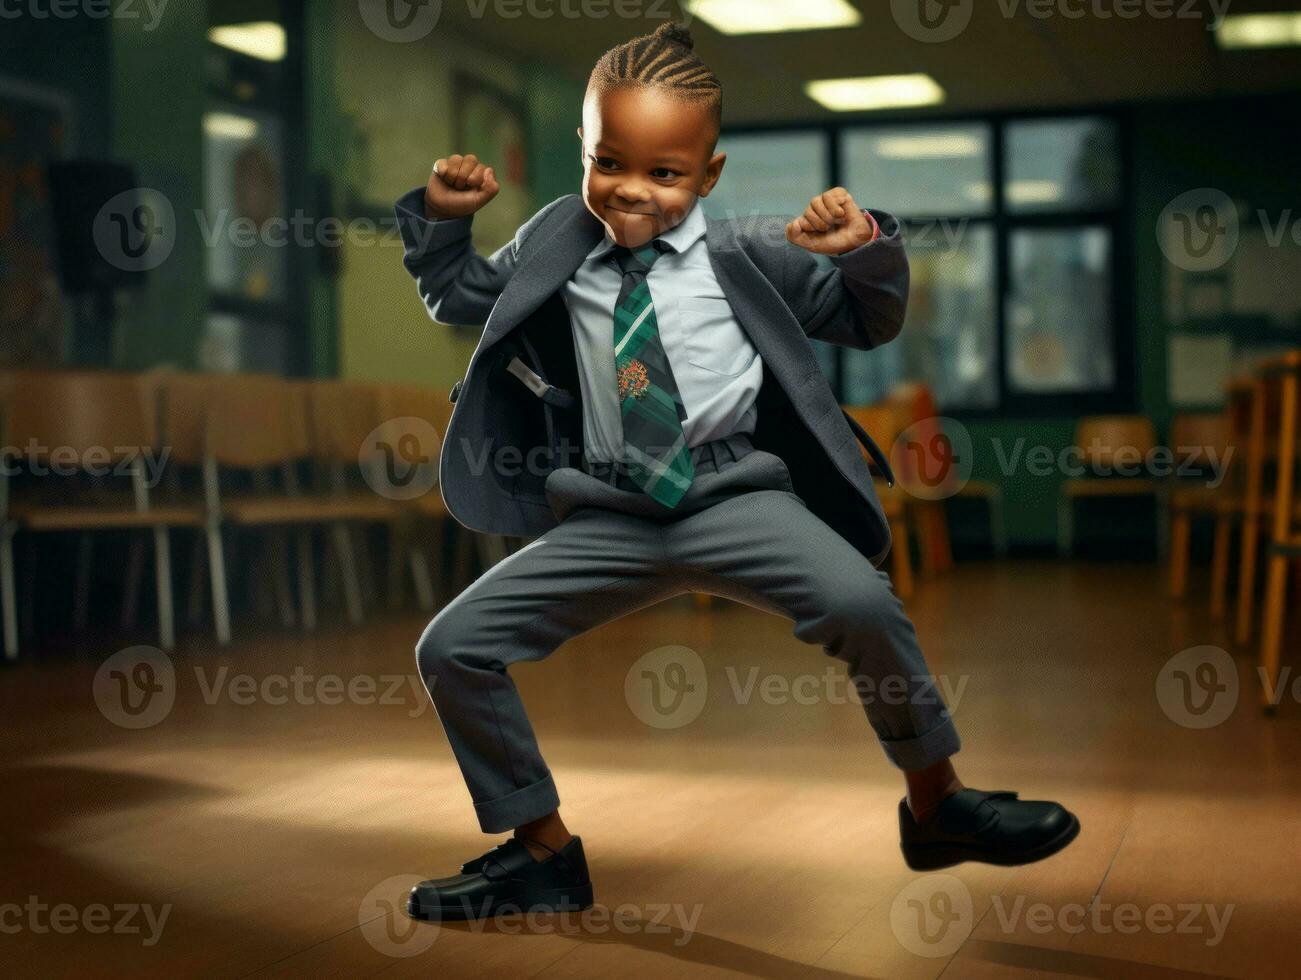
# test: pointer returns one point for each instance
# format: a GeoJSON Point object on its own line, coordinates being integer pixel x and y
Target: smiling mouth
{"type": "Point", "coordinates": [611, 207]}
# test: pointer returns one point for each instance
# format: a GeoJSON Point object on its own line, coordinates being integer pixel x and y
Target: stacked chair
{"type": "Point", "coordinates": [269, 467]}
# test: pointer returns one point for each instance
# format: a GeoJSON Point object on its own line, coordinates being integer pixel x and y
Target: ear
{"type": "Point", "coordinates": [713, 170]}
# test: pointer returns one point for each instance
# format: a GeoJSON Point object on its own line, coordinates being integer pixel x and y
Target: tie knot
{"type": "Point", "coordinates": [639, 259]}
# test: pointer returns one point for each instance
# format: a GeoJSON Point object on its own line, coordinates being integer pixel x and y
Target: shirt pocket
{"type": "Point", "coordinates": [713, 339]}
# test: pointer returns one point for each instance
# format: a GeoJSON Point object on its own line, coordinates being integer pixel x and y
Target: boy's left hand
{"type": "Point", "coordinates": [831, 225]}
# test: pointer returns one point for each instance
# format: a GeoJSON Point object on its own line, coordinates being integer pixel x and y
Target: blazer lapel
{"type": "Point", "coordinates": [547, 265]}
{"type": "Point", "coordinates": [758, 308]}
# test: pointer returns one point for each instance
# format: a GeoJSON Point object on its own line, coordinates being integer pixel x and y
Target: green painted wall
{"type": "Point", "coordinates": [158, 94]}
{"type": "Point", "coordinates": [1242, 147]}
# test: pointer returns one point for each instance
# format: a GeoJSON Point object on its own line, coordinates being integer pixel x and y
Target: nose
{"type": "Point", "coordinates": [634, 192]}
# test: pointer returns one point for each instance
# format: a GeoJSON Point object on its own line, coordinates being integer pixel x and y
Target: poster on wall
{"type": "Point", "coordinates": [33, 313]}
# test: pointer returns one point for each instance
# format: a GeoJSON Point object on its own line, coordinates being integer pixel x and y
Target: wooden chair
{"type": "Point", "coordinates": [86, 422]}
{"type": "Point", "coordinates": [914, 403]}
{"type": "Point", "coordinates": [1258, 397]}
{"type": "Point", "coordinates": [1102, 440]}
{"type": "Point", "coordinates": [1202, 444]}
{"type": "Point", "coordinates": [355, 453]}
{"type": "Point", "coordinates": [252, 429]}
{"type": "Point", "coordinates": [1284, 373]}
{"type": "Point", "coordinates": [883, 424]}
{"type": "Point", "coordinates": [914, 408]}
{"type": "Point", "coordinates": [410, 410]}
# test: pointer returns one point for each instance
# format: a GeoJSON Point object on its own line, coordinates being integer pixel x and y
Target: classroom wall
{"type": "Point", "coordinates": [395, 104]}
{"type": "Point", "coordinates": [1242, 147]}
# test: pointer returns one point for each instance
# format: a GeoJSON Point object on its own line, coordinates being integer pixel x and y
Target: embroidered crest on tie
{"type": "Point", "coordinates": [655, 448]}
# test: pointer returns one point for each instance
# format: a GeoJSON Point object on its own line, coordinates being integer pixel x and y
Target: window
{"type": "Point", "coordinates": [1012, 227]}
{"type": "Point", "coordinates": [771, 174]}
{"type": "Point", "coordinates": [252, 138]}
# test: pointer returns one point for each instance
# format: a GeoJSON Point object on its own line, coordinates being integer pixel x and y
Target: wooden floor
{"type": "Point", "coordinates": [759, 839]}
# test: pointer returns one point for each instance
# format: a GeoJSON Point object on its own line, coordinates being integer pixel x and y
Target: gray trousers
{"type": "Point", "coordinates": [741, 533]}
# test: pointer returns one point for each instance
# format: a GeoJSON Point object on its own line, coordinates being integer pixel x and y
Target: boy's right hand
{"type": "Point", "coordinates": [459, 186]}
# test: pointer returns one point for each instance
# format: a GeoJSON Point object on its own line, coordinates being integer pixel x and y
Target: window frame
{"type": "Point", "coordinates": [287, 101]}
{"type": "Point", "coordinates": [1122, 395]}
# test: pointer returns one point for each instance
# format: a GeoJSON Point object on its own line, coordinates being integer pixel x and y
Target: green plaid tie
{"type": "Point", "coordinates": [655, 449]}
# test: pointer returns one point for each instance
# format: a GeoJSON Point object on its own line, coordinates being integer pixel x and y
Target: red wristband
{"type": "Point", "coordinates": [876, 228]}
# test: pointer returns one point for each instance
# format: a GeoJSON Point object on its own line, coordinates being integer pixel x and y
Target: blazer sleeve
{"type": "Point", "coordinates": [456, 283]}
{"type": "Point", "coordinates": [860, 300]}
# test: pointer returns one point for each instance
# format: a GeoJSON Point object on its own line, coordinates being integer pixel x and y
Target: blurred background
{"type": "Point", "coordinates": [212, 357]}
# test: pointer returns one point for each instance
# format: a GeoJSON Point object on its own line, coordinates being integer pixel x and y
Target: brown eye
{"type": "Point", "coordinates": [605, 163]}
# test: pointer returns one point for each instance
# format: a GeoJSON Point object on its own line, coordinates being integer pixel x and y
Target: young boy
{"type": "Point", "coordinates": [673, 351]}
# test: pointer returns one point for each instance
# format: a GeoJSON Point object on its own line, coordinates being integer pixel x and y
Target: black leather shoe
{"type": "Point", "coordinates": [993, 827]}
{"type": "Point", "coordinates": [507, 879]}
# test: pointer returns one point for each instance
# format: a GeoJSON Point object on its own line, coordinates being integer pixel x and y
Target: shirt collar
{"type": "Point", "coordinates": [679, 238]}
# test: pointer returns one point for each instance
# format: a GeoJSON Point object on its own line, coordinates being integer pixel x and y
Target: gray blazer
{"type": "Point", "coordinates": [504, 439]}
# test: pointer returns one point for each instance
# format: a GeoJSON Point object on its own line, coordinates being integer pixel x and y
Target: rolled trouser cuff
{"type": "Point", "coordinates": [520, 807]}
{"type": "Point", "coordinates": [921, 751]}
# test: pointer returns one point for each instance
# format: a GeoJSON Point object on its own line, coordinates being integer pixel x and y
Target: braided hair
{"type": "Point", "coordinates": [664, 59]}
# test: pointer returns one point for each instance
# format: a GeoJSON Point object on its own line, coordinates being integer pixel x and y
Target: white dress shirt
{"type": "Point", "coordinates": [717, 369]}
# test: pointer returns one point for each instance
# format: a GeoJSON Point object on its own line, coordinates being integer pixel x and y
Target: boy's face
{"type": "Point", "coordinates": [646, 158]}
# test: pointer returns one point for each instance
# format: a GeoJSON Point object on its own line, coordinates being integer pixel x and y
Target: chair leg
{"type": "Point", "coordinates": [198, 572]}
{"type": "Point", "coordinates": [401, 550]}
{"type": "Point", "coordinates": [439, 573]}
{"type": "Point", "coordinates": [1181, 530]}
{"type": "Point", "coordinates": [924, 528]}
{"type": "Point", "coordinates": [217, 579]}
{"type": "Point", "coordinates": [1065, 526]}
{"type": "Point", "coordinates": [1162, 503]}
{"type": "Point", "coordinates": [997, 523]}
{"type": "Point", "coordinates": [348, 572]}
{"type": "Point", "coordinates": [1275, 596]}
{"type": "Point", "coordinates": [463, 569]}
{"type": "Point", "coordinates": [81, 588]}
{"type": "Point", "coordinates": [306, 578]}
{"type": "Point", "coordinates": [278, 542]}
{"type": "Point", "coordinates": [8, 596]}
{"type": "Point", "coordinates": [1246, 579]}
{"type": "Point", "coordinates": [421, 578]}
{"type": "Point", "coordinates": [1220, 568]}
{"type": "Point", "coordinates": [901, 560]}
{"type": "Point", "coordinates": [163, 587]}
{"type": "Point", "coordinates": [135, 570]}
{"type": "Point", "coordinates": [365, 567]}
